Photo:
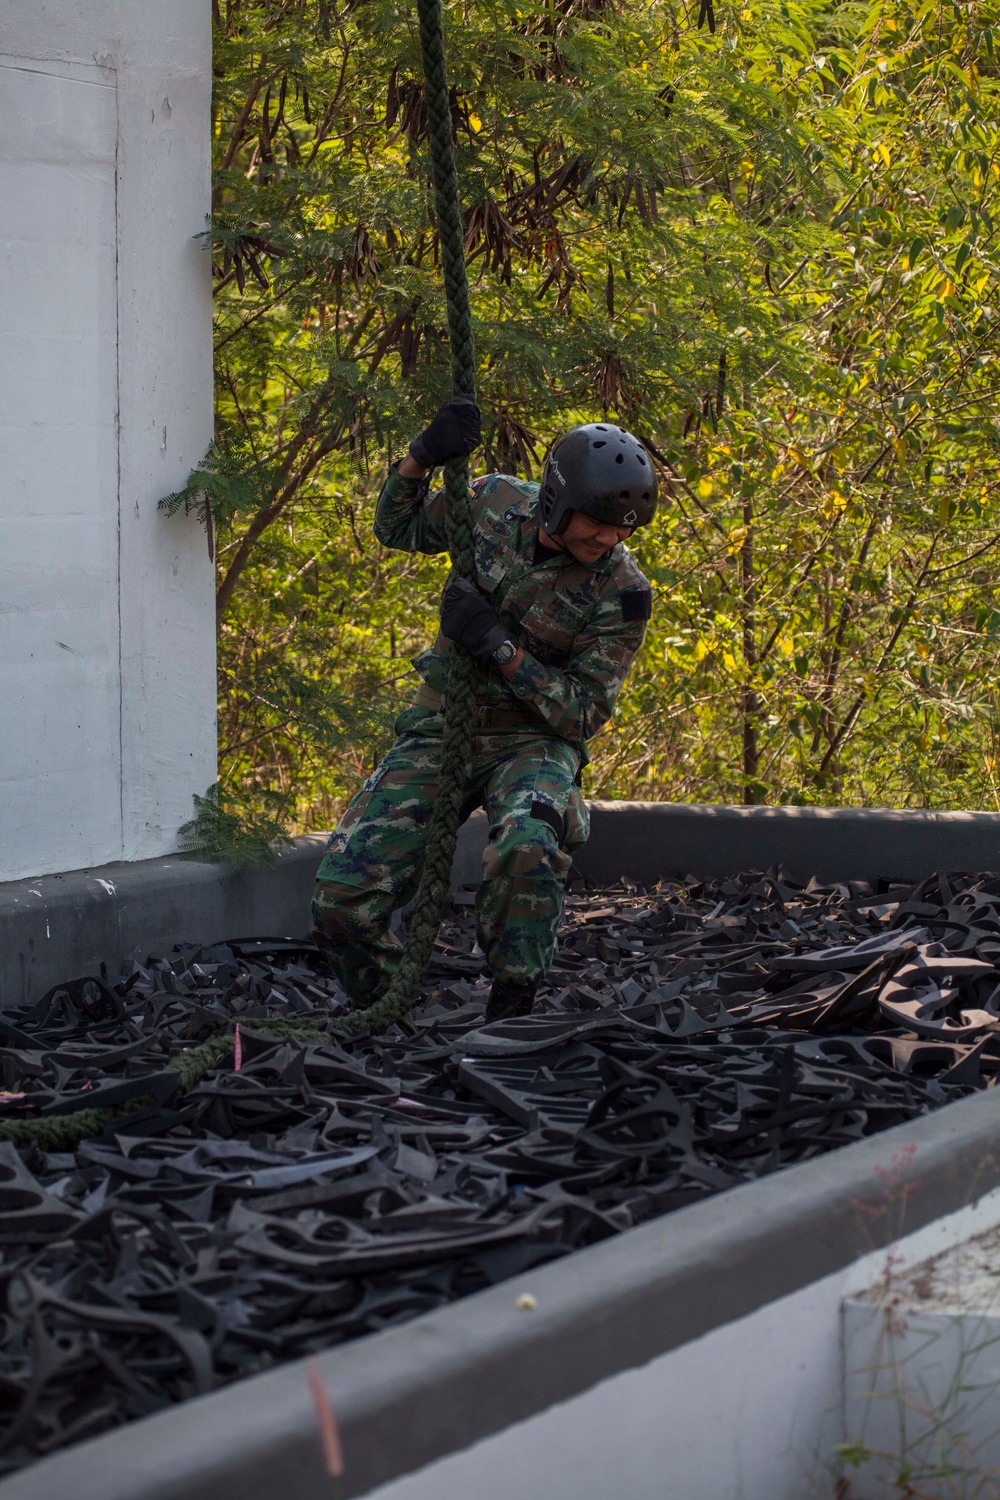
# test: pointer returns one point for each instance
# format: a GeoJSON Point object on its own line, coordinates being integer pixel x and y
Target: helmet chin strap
{"type": "Point", "coordinates": [548, 540]}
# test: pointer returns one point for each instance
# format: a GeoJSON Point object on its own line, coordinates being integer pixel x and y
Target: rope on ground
{"type": "Point", "coordinates": [64, 1132]}
{"type": "Point", "coordinates": [460, 699]}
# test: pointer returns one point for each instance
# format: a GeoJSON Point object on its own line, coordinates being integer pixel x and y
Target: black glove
{"type": "Point", "coordinates": [454, 432]}
{"type": "Point", "coordinates": [466, 617]}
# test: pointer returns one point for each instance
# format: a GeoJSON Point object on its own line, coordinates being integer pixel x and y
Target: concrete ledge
{"type": "Point", "coordinates": [413, 1394]}
{"type": "Point", "coordinates": [59, 926]}
{"type": "Point", "coordinates": [646, 840]}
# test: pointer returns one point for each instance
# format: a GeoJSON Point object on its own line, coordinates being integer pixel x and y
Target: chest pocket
{"type": "Point", "coordinates": [497, 512]}
{"type": "Point", "coordinates": [550, 629]}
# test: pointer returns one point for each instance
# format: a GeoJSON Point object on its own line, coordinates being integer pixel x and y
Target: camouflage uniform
{"type": "Point", "coordinates": [580, 626]}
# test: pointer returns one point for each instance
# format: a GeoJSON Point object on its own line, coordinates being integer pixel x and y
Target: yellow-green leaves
{"type": "Point", "coordinates": [771, 251]}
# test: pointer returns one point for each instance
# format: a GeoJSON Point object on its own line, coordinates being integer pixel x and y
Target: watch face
{"type": "Point", "coordinates": [505, 653]}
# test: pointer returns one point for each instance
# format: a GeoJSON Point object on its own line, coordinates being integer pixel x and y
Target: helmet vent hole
{"type": "Point", "coordinates": [600, 428]}
{"type": "Point", "coordinates": [641, 459]}
{"type": "Point", "coordinates": [645, 494]}
{"type": "Point", "coordinates": [619, 458]}
{"type": "Point", "coordinates": [600, 444]}
{"type": "Point", "coordinates": [625, 494]}
{"type": "Point", "coordinates": [550, 489]}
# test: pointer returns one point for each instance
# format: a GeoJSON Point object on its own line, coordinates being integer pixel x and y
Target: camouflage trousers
{"type": "Point", "coordinates": [526, 782]}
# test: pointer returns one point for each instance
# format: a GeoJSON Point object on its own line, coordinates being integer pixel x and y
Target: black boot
{"type": "Point", "coordinates": [509, 1000]}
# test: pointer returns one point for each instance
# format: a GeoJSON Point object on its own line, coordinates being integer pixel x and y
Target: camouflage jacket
{"type": "Point", "coordinates": [579, 625]}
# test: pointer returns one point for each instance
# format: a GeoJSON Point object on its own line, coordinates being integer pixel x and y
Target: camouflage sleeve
{"type": "Point", "coordinates": [577, 700]}
{"type": "Point", "coordinates": [408, 516]}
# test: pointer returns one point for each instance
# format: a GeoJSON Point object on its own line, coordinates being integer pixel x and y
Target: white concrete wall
{"type": "Point", "coordinates": [751, 1411]}
{"type": "Point", "coordinates": [107, 660]}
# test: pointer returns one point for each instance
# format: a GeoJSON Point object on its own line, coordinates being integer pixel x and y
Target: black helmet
{"type": "Point", "coordinates": [603, 471]}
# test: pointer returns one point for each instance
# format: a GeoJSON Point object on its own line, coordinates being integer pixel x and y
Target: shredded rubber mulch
{"type": "Point", "coordinates": [692, 1037]}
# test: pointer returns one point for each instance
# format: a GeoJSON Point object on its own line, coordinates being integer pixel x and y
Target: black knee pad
{"type": "Point", "coordinates": [544, 812]}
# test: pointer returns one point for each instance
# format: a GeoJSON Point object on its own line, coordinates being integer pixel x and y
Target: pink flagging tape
{"type": "Point", "coordinates": [237, 1051]}
{"type": "Point", "coordinates": [329, 1432]}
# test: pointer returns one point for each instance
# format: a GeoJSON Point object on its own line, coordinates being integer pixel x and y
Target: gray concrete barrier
{"type": "Point", "coordinates": [440, 1383]}
{"type": "Point", "coordinates": [59, 926]}
{"type": "Point", "coordinates": [647, 840]}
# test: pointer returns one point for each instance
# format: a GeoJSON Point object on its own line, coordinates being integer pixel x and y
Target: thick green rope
{"type": "Point", "coordinates": [460, 699]}
{"type": "Point", "coordinates": [63, 1132]}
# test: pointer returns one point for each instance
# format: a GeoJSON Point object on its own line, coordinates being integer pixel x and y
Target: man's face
{"type": "Point", "coordinates": [589, 540]}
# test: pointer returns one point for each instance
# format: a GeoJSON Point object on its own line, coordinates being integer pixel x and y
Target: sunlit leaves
{"type": "Point", "coordinates": [771, 250]}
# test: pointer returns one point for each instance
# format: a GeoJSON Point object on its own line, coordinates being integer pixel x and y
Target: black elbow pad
{"type": "Point", "coordinates": [637, 604]}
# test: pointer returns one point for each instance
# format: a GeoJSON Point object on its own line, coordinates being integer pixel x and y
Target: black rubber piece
{"type": "Point", "coordinates": [689, 1038]}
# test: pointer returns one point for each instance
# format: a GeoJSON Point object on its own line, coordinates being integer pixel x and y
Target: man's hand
{"type": "Point", "coordinates": [454, 432]}
{"type": "Point", "coordinates": [466, 617]}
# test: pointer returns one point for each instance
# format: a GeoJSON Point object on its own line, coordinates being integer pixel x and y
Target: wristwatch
{"type": "Point", "coordinates": [504, 653]}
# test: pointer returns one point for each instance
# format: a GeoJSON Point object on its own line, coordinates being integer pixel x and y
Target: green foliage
{"type": "Point", "coordinates": [217, 831]}
{"type": "Point", "coordinates": [229, 481]}
{"type": "Point", "coordinates": [768, 249]}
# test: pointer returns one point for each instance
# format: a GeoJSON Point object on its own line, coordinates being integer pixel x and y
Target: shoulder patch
{"type": "Point", "coordinates": [626, 571]}
{"type": "Point", "coordinates": [506, 495]}
{"type": "Point", "coordinates": [637, 604]}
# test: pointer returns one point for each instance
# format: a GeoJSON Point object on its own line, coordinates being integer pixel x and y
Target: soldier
{"type": "Point", "coordinates": [557, 613]}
